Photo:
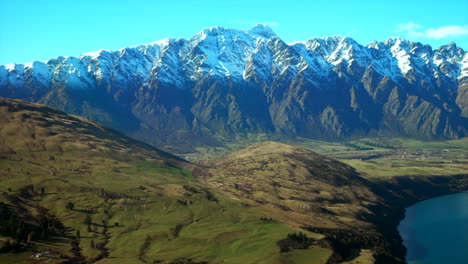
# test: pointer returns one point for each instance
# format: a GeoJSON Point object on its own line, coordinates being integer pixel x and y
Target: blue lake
{"type": "Point", "coordinates": [435, 231]}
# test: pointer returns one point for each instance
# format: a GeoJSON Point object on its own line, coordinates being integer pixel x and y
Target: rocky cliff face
{"type": "Point", "coordinates": [225, 83]}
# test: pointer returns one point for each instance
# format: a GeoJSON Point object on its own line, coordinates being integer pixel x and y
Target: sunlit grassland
{"type": "Point", "coordinates": [142, 223]}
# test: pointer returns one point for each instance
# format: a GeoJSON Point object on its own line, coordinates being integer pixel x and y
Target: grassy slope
{"type": "Point", "coordinates": [148, 198]}
{"type": "Point", "coordinates": [293, 184]}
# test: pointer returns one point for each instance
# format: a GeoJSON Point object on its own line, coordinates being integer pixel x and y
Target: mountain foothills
{"type": "Point", "coordinates": [73, 191]}
{"type": "Point", "coordinates": [224, 84]}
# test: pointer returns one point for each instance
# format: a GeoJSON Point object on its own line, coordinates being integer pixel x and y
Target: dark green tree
{"type": "Point", "coordinates": [70, 206]}
{"type": "Point", "coordinates": [87, 220]}
{"type": "Point", "coordinates": [44, 227]}
{"type": "Point", "coordinates": [30, 237]}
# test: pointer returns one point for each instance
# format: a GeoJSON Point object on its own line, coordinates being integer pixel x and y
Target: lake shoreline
{"type": "Point", "coordinates": [402, 192]}
{"type": "Point", "coordinates": [396, 194]}
{"type": "Point", "coordinates": [442, 217]}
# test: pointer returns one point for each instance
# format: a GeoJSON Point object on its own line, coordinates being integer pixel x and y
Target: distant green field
{"type": "Point", "coordinates": [397, 157]}
{"type": "Point", "coordinates": [376, 157]}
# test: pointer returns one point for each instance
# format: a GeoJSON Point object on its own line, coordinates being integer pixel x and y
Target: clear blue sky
{"type": "Point", "coordinates": [43, 29]}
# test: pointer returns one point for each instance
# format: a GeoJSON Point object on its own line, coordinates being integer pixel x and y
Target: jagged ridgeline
{"type": "Point", "coordinates": [223, 84]}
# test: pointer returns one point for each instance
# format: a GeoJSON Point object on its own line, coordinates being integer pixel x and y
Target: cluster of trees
{"type": "Point", "coordinates": [185, 202]}
{"type": "Point", "coordinates": [295, 241]}
{"type": "Point", "coordinates": [211, 197]}
{"type": "Point", "coordinates": [113, 195]}
{"type": "Point", "coordinates": [11, 225]}
{"type": "Point", "coordinates": [14, 247]}
{"type": "Point", "coordinates": [176, 230]}
{"type": "Point", "coordinates": [183, 261]}
{"type": "Point", "coordinates": [29, 191]}
{"type": "Point", "coordinates": [88, 221]}
{"type": "Point", "coordinates": [357, 147]}
{"type": "Point", "coordinates": [378, 145]}
{"type": "Point", "coordinates": [70, 206]}
{"type": "Point", "coordinates": [192, 189]}
{"type": "Point", "coordinates": [346, 244]}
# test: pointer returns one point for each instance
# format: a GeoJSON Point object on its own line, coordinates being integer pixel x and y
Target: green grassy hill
{"type": "Point", "coordinates": [297, 185]}
{"type": "Point", "coordinates": [81, 193]}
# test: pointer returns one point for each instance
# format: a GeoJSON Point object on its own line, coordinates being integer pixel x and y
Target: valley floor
{"type": "Point", "coordinates": [374, 157]}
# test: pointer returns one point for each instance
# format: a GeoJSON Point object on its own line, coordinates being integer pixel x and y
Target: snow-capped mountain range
{"type": "Point", "coordinates": [224, 82]}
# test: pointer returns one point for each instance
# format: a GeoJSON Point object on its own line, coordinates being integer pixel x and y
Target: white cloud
{"type": "Point", "coordinates": [417, 31]}
{"type": "Point", "coordinates": [410, 26]}
{"type": "Point", "coordinates": [447, 31]}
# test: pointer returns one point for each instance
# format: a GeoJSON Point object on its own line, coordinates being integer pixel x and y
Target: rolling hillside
{"type": "Point", "coordinates": [73, 191]}
{"type": "Point", "coordinates": [81, 193]}
{"type": "Point", "coordinates": [302, 187]}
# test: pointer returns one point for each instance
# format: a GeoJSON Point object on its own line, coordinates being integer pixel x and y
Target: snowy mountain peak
{"type": "Point", "coordinates": [349, 41]}
{"type": "Point", "coordinates": [214, 31]}
{"type": "Point", "coordinates": [94, 54]}
{"type": "Point", "coordinates": [231, 80]}
{"type": "Point", "coordinates": [392, 41]}
{"type": "Point", "coordinates": [452, 50]}
{"type": "Point", "coordinates": [258, 31]}
{"type": "Point", "coordinates": [262, 30]}
{"type": "Point", "coordinates": [240, 55]}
